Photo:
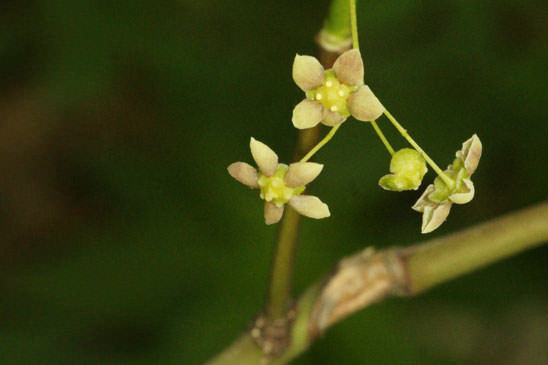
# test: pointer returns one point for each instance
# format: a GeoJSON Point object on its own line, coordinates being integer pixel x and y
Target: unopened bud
{"type": "Point", "coordinates": [408, 168]}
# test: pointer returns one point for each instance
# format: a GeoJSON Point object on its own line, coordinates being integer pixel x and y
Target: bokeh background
{"type": "Point", "coordinates": [124, 240]}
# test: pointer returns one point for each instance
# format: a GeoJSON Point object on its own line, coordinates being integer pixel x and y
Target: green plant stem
{"type": "Point", "coordinates": [337, 22]}
{"type": "Point", "coordinates": [320, 144]}
{"type": "Point", "coordinates": [335, 34]}
{"type": "Point", "coordinates": [397, 271]}
{"type": "Point", "coordinates": [279, 295]}
{"type": "Point", "coordinates": [452, 256]}
{"type": "Point", "coordinates": [354, 24]}
{"type": "Point", "coordinates": [356, 44]}
{"type": "Point", "coordinates": [382, 137]}
{"type": "Point", "coordinates": [448, 181]}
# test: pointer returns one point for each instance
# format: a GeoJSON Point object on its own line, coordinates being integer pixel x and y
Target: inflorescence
{"type": "Point", "coordinates": [331, 96]}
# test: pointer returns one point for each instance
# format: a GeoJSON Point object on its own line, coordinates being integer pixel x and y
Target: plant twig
{"type": "Point", "coordinates": [368, 277]}
{"type": "Point", "coordinates": [279, 301]}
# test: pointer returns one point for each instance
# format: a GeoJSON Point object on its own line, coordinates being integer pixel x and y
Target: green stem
{"type": "Point", "coordinates": [279, 294]}
{"type": "Point", "coordinates": [356, 44]}
{"type": "Point", "coordinates": [382, 137]}
{"type": "Point", "coordinates": [452, 256]}
{"type": "Point", "coordinates": [354, 24]}
{"type": "Point", "coordinates": [335, 34]}
{"type": "Point", "coordinates": [320, 144]}
{"type": "Point", "coordinates": [448, 181]}
{"type": "Point", "coordinates": [337, 21]}
{"type": "Point", "coordinates": [396, 271]}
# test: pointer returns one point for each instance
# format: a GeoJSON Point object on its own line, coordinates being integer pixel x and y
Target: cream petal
{"type": "Point", "coordinates": [349, 67]}
{"type": "Point", "coordinates": [244, 173]}
{"type": "Point", "coordinates": [471, 154]}
{"type": "Point", "coordinates": [301, 173]}
{"type": "Point", "coordinates": [423, 201]}
{"type": "Point", "coordinates": [434, 216]}
{"type": "Point", "coordinates": [272, 213]}
{"type": "Point", "coordinates": [310, 206]}
{"type": "Point", "coordinates": [364, 105]}
{"type": "Point", "coordinates": [308, 73]}
{"type": "Point", "coordinates": [465, 196]}
{"type": "Point", "coordinates": [332, 118]}
{"type": "Point", "coordinates": [266, 159]}
{"type": "Point", "coordinates": [307, 114]}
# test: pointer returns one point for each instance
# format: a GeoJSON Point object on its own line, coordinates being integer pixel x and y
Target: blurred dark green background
{"type": "Point", "coordinates": [124, 240]}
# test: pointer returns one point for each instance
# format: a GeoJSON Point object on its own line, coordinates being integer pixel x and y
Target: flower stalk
{"type": "Point", "coordinates": [320, 144]}
{"type": "Point", "coordinates": [382, 137]}
{"type": "Point", "coordinates": [354, 24]}
{"type": "Point", "coordinates": [412, 142]}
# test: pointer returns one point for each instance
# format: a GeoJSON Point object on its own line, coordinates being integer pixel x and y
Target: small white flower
{"type": "Point", "coordinates": [280, 184]}
{"type": "Point", "coordinates": [335, 94]}
{"type": "Point", "coordinates": [436, 201]}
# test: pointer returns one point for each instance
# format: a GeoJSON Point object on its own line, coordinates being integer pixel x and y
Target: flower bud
{"type": "Point", "coordinates": [408, 168]}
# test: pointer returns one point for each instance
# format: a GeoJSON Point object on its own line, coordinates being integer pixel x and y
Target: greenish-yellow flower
{"type": "Point", "coordinates": [333, 95]}
{"type": "Point", "coordinates": [436, 201]}
{"type": "Point", "coordinates": [280, 184]}
{"type": "Point", "coordinates": [407, 169]}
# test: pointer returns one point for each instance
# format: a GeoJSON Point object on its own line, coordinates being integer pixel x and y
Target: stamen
{"type": "Point", "coordinates": [319, 96]}
{"type": "Point", "coordinates": [334, 108]}
{"type": "Point", "coordinates": [329, 83]}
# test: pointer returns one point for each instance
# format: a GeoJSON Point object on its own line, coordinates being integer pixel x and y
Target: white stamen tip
{"type": "Point", "coordinates": [334, 108]}
{"type": "Point", "coordinates": [341, 92]}
{"type": "Point", "coordinates": [329, 83]}
{"type": "Point", "coordinates": [319, 96]}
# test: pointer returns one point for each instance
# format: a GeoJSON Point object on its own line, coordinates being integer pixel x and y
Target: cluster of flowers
{"type": "Point", "coordinates": [331, 97]}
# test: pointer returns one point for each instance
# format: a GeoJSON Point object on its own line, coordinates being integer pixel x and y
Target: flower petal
{"type": "Point", "coordinates": [434, 216]}
{"type": "Point", "coordinates": [307, 114]}
{"type": "Point", "coordinates": [364, 105]}
{"type": "Point", "coordinates": [266, 159]}
{"type": "Point", "coordinates": [423, 201]}
{"type": "Point", "coordinates": [388, 182]}
{"type": "Point", "coordinates": [471, 153]}
{"type": "Point", "coordinates": [272, 213]}
{"type": "Point", "coordinates": [349, 68]}
{"type": "Point", "coordinates": [301, 173]}
{"type": "Point", "coordinates": [308, 72]}
{"type": "Point", "coordinates": [244, 173]}
{"type": "Point", "coordinates": [310, 206]}
{"type": "Point", "coordinates": [332, 118]}
{"type": "Point", "coordinates": [463, 197]}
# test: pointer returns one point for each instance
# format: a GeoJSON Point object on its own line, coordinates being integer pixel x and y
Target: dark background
{"type": "Point", "coordinates": [124, 240]}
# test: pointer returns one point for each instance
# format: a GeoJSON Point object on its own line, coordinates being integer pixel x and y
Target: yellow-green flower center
{"type": "Point", "coordinates": [332, 94]}
{"type": "Point", "coordinates": [458, 173]}
{"type": "Point", "coordinates": [274, 189]}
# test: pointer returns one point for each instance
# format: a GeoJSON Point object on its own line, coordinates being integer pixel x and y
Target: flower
{"type": "Point", "coordinates": [407, 169]}
{"type": "Point", "coordinates": [280, 184]}
{"type": "Point", "coordinates": [335, 94]}
{"type": "Point", "coordinates": [436, 201]}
